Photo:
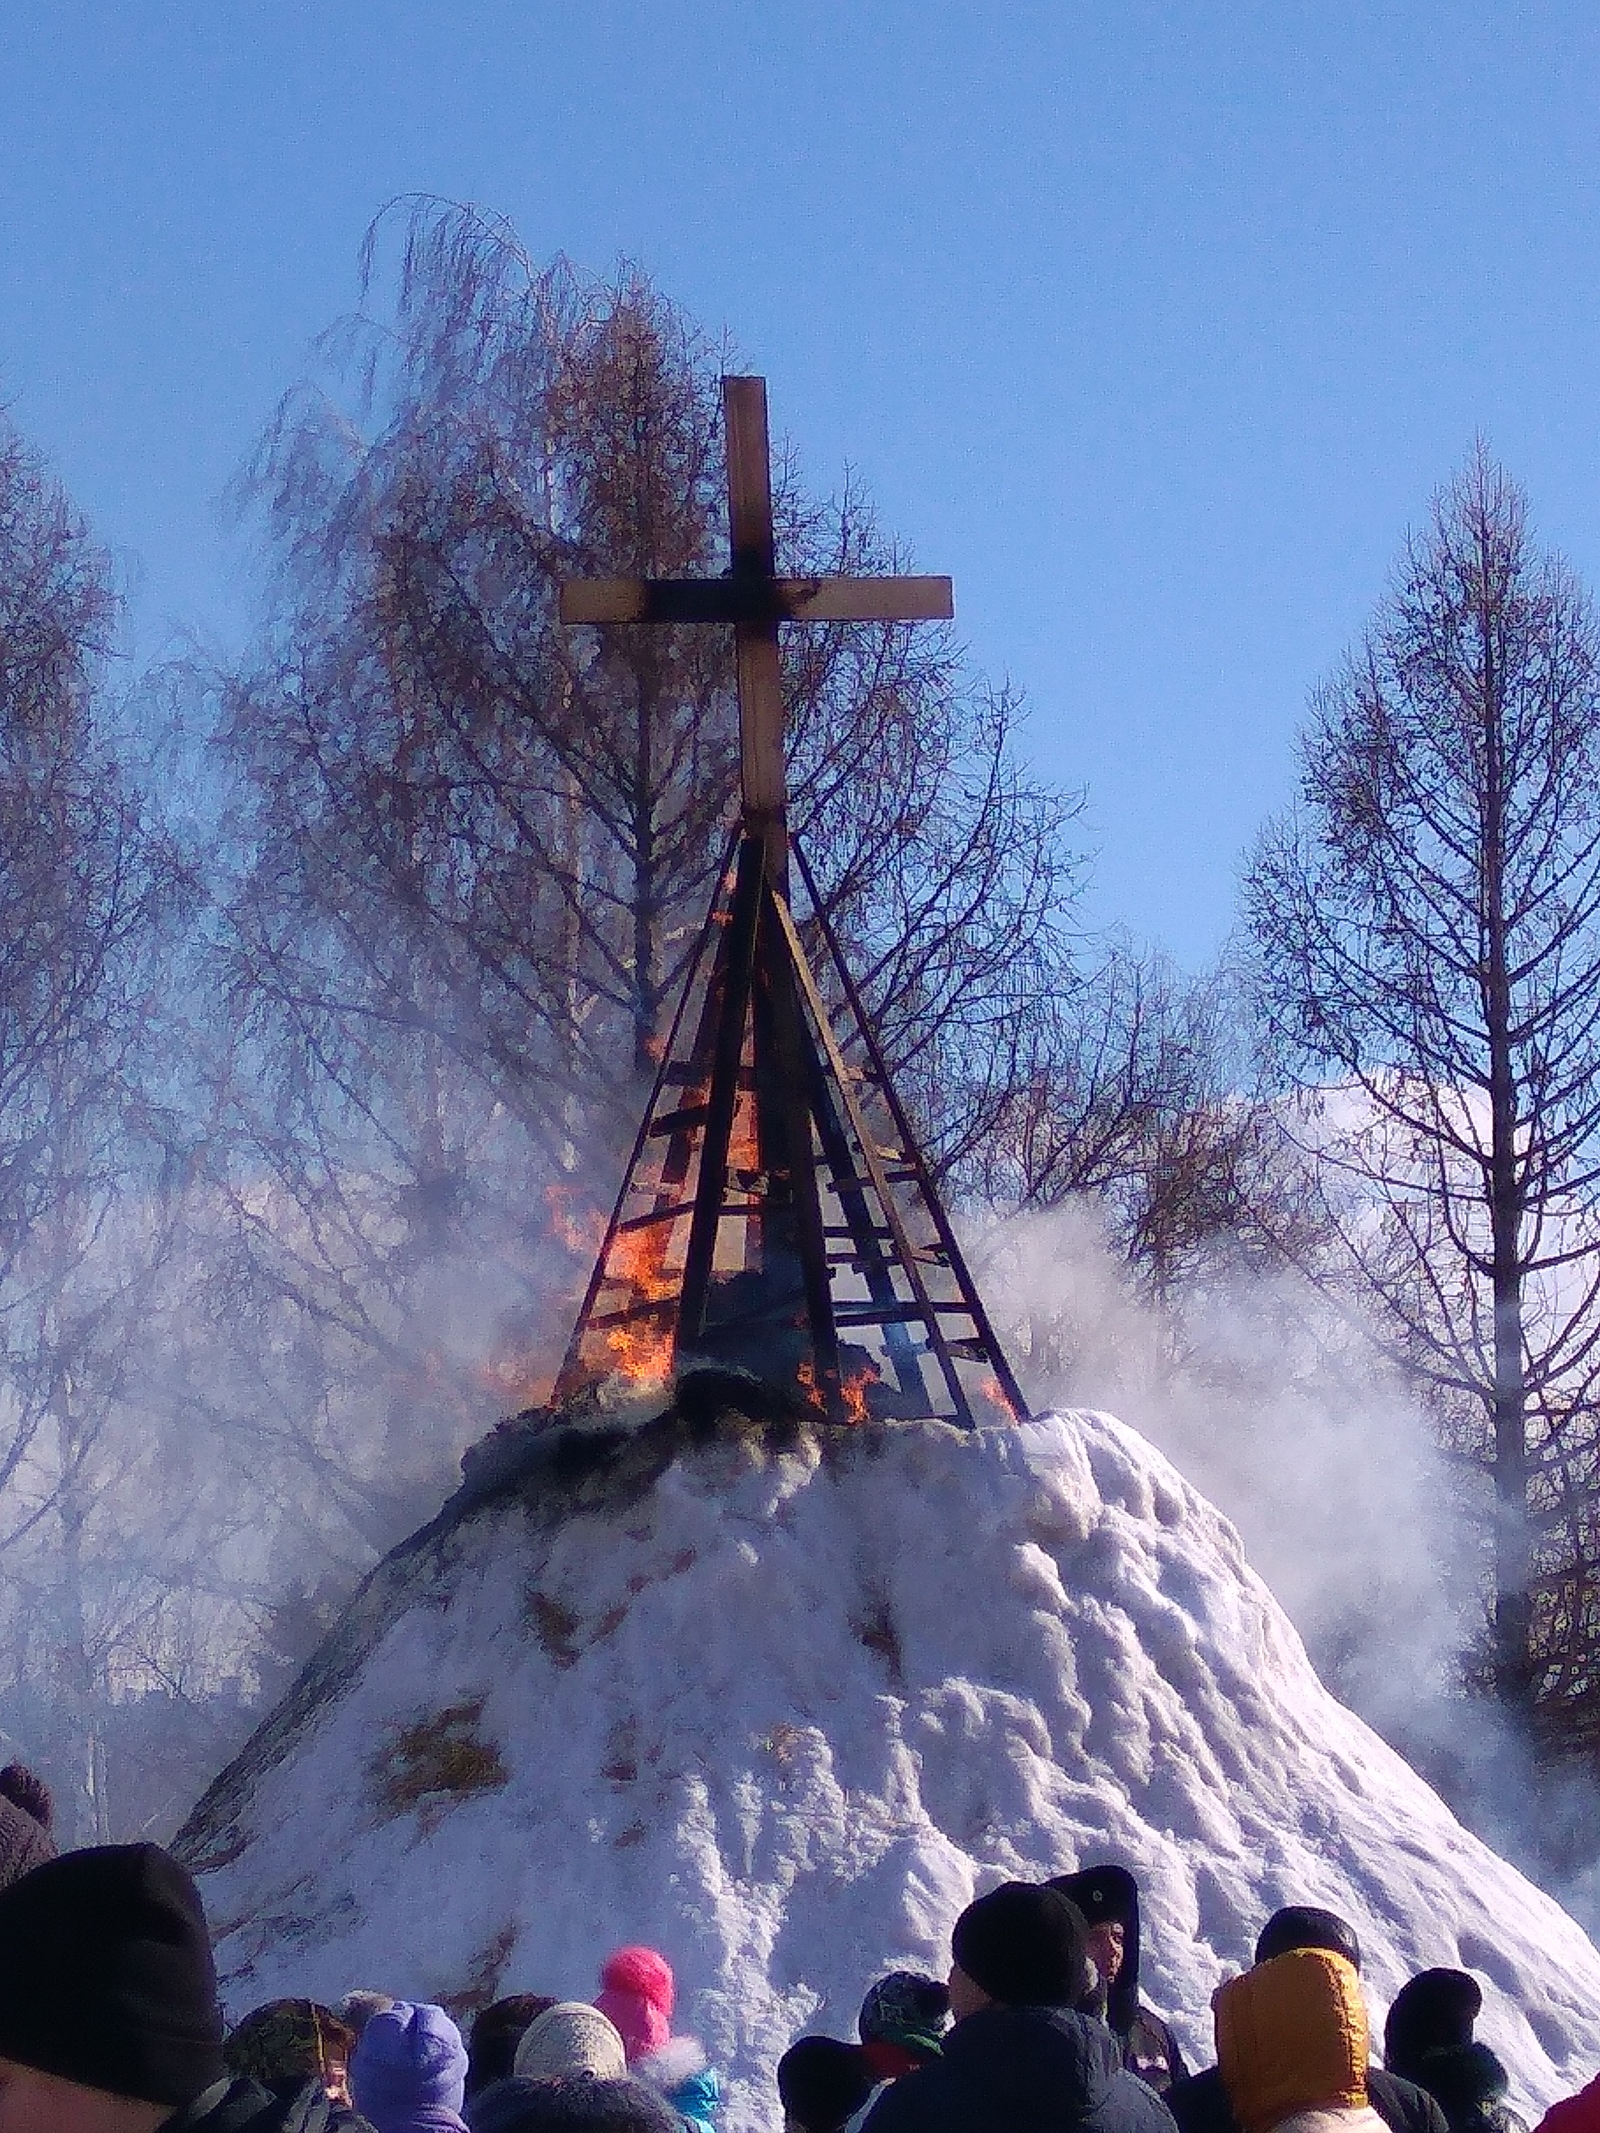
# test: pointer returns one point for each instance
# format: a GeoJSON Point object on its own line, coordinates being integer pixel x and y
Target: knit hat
{"type": "Point", "coordinates": [905, 2008]}
{"type": "Point", "coordinates": [26, 1815]}
{"type": "Point", "coordinates": [822, 2082]}
{"type": "Point", "coordinates": [1431, 2011]}
{"type": "Point", "coordinates": [571, 2038]}
{"type": "Point", "coordinates": [579, 2104]}
{"type": "Point", "coordinates": [496, 2032]}
{"type": "Point", "coordinates": [106, 1976]}
{"type": "Point", "coordinates": [1024, 1945]}
{"type": "Point", "coordinates": [637, 1993]}
{"type": "Point", "coordinates": [288, 2040]}
{"type": "Point", "coordinates": [410, 2060]}
{"type": "Point", "coordinates": [1304, 1925]}
{"type": "Point", "coordinates": [1291, 2036]}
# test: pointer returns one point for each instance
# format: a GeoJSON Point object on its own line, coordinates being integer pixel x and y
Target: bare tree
{"type": "Point", "coordinates": [477, 848]}
{"type": "Point", "coordinates": [1427, 936]}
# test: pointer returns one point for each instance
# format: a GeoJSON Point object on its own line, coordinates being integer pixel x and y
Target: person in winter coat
{"type": "Point", "coordinates": [637, 1991]}
{"type": "Point", "coordinates": [1201, 2103]}
{"type": "Point", "coordinates": [409, 2072]}
{"type": "Point", "coordinates": [1021, 2054]}
{"type": "Point", "coordinates": [822, 2084]}
{"type": "Point", "coordinates": [1574, 2114]}
{"type": "Point", "coordinates": [1108, 1897]}
{"type": "Point", "coordinates": [1427, 2038]}
{"type": "Point", "coordinates": [1292, 2045]}
{"type": "Point", "coordinates": [109, 2020]}
{"type": "Point", "coordinates": [496, 2032]}
{"type": "Point", "coordinates": [902, 2022]}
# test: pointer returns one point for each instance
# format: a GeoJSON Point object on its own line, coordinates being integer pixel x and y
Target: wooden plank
{"type": "Point", "coordinates": [744, 415]}
{"type": "Point", "coordinates": [734, 600]}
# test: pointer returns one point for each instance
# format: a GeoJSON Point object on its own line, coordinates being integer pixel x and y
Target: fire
{"type": "Point", "coordinates": [853, 1390]}
{"type": "Point", "coordinates": [579, 1230]}
{"type": "Point", "coordinates": [642, 1351]}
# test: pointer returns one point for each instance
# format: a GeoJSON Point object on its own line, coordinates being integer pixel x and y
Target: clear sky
{"type": "Point", "coordinates": [1155, 324]}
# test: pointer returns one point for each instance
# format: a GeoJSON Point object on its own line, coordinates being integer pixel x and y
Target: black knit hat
{"type": "Point", "coordinates": [26, 1813]}
{"type": "Point", "coordinates": [1433, 2011]}
{"type": "Point", "coordinates": [823, 2081]}
{"type": "Point", "coordinates": [106, 1976]}
{"type": "Point", "coordinates": [1304, 1925]}
{"type": "Point", "coordinates": [1024, 1944]}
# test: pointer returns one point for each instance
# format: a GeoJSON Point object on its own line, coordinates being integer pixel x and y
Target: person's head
{"type": "Point", "coordinates": [636, 1993]}
{"type": "Point", "coordinates": [1304, 1925]}
{"type": "Point", "coordinates": [496, 2032]}
{"type": "Point", "coordinates": [108, 1999]}
{"type": "Point", "coordinates": [1291, 2036]}
{"type": "Point", "coordinates": [907, 2009]}
{"type": "Point", "coordinates": [1022, 1945]}
{"type": "Point", "coordinates": [357, 2009]}
{"type": "Point", "coordinates": [572, 2105]}
{"type": "Point", "coordinates": [1108, 1897]}
{"type": "Point", "coordinates": [1433, 2011]}
{"type": "Point", "coordinates": [27, 1815]}
{"type": "Point", "coordinates": [409, 2060]}
{"type": "Point", "coordinates": [571, 2038]}
{"type": "Point", "coordinates": [293, 2040]}
{"type": "Point", "coordinates": [822, 2082]}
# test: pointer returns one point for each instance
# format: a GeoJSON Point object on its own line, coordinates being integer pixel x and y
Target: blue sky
{"type": "Point", "coordinates": [1156, 325]}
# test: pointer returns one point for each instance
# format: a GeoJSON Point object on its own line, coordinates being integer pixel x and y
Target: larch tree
{"type": "Point", "coordinates": [1426, 928]}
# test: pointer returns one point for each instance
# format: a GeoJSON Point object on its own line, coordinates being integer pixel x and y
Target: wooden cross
{"type": "Point", "coordinates": [754, 599]}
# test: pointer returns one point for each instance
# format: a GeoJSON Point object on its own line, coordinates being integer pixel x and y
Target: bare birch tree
{"type": "Point", "coordinates": [1427, 935]}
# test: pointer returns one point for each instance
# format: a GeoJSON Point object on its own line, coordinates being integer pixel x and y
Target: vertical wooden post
{"type": "Point", "coordinates": [744, 407]}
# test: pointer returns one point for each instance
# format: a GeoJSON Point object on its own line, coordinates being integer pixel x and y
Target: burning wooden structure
{"type": "Point", "coordinates": [776, 1213]}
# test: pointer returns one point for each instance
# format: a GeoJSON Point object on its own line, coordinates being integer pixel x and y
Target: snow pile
{"type": "Point", "coordinates": [781, 1708]}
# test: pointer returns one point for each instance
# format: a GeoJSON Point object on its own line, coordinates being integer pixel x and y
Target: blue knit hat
{"type": "Point", "coordinates": [410, 2060]}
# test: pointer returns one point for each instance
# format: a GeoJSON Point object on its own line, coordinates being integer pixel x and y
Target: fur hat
{"type": "Point", "coordinates": [357, 2008]}
{"type": "Point", "coordinates": [410, 2059]}
{"type": "Point", "coordinates": [1431, 2012]}
{"type": "Point", "coordinates": [822, 2082]}
{"type": "Point", "coordinates": [577, 2105]}
{"type": "Point", "coordinates": [106, 1976]}
{"type": "Point", "coordinates": [1025, 1945]}
{"type": "Point", "coordinates": [1109, 1895]}
{"type": "Point", "coordinates": [637, 1993]}
{"type": "Point", "coordinates": [26, 1815]}
{"type": "Point", "coordinates": [571, 2038]}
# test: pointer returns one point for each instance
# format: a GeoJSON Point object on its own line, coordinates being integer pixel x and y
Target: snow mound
{"type": "Point", "coordinates": [781, 1706]}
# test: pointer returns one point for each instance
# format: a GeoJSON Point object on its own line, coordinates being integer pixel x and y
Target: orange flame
{"type": "Point", "coordinates": [853, 1390]}
{"type": "Point", "coordinates": [641, 1351]}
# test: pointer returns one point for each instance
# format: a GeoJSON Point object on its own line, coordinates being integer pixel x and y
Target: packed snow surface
{"type": "Point", "coordinates": [782, 1711]}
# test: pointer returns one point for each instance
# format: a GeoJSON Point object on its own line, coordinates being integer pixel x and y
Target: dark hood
{"type": "Point", "coordinates": [1034, 2066]}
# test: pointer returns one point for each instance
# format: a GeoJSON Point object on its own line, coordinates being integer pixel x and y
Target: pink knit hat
{"type": "Point", "coordinates": [637, 1994]}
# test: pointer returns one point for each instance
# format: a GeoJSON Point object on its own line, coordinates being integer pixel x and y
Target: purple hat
{"type": "Point", "coordinates": [410, 2063]}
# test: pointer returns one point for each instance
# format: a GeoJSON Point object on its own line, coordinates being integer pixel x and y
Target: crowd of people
{"type": "Point", "coordinates": [110, 2023]}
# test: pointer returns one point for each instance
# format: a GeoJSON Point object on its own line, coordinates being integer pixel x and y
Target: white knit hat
{"type": "Point", "coordinates": [571, 2038]}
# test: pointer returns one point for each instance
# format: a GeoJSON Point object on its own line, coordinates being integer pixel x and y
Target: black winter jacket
{"type": "Point", "coordinates": [1022, 2070]}
{"type": "Point", "coordinates": [1200, 2104]}
{"type": "Point", "coordinates": [244, 2106]}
